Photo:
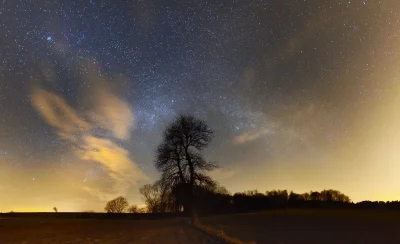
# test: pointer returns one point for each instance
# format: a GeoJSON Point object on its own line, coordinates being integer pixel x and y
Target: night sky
{"type": "Point", "coordinates": [302, 95]}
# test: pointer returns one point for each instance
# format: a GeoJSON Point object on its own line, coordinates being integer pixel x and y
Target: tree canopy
{"type": "Point", "coordinates": [117, 205]}
{"type": "Point", "coordinates": [179, 159]}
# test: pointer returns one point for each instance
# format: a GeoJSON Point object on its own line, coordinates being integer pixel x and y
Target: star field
{"type": "Point", "coordinates": [302, 95]}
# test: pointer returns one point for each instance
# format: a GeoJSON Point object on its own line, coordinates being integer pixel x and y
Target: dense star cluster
{"type": "Point", "coordinates": [301, 95]}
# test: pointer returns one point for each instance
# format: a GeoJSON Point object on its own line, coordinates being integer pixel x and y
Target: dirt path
{"type": "Point", "coordinates": [99, 231]}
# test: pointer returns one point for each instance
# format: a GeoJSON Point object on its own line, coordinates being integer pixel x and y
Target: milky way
{"type": "Point", "coordinates": [302, 95]}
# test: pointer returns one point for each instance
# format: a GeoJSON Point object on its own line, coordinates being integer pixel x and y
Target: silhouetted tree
{"type": "Point", "coordinates": [142, 210]}
{"type": "Point", "coordinates": [117, 205]}
{"type": "Point", "coordinates": [153, 197]}
{"type": "Point", "coordinates": [55, 209]}
{"type": "Point", "coordinates": [277, 199]}
{"type": "Point", "coordinates": [179, 159]}
{"type": "Point", "coordinates": [251, 192]}
{"type": "Point", "coordinates": [315, 196]}
{"type": "Point", "coordinates": [160, 198]}
{"type": "Point", "coordinates": [253, 200]}
{"type": "Point", "coordinates": [213, 200]}
{"type": "Point", "coordinates": [250, 201]}
{"type": "Point", "coordinates": [306, 196]}
{"type": "Point", "coordinates": [133, 209]}
{"type": "Point", "coordinates": [222, 190]}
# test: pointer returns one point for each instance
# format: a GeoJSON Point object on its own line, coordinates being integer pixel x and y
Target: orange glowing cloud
{"type": "Point", "coordinates": [109, 113]}
{"type": "Point", "coordinates": [249, 136]}
{"type": "Point", "coordinates": [57, 113]}
{"type": "Point", "coordinates": [113, 115]}
{"type": "Point", "coordinates": [116, 159]}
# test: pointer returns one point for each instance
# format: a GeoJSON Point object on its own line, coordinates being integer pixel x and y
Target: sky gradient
{"type": "Point", "coordinates": [301, 95]}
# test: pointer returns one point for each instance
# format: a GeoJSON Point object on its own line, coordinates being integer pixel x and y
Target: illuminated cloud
{"type": "Point", "coordinates": [249, 136]}
{"type": "Point", "coordinates": [106, 109]}
{"type": "Point", "coordinates": [113, 114]}
{"type": "Point", "coordinates": [110, 114]}
{"type": "Point", "coordinates": [57, 113]}
{"type": "Point", "coordinates": [116, 159]}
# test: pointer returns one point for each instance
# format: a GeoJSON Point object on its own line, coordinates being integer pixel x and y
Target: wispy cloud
{"type": "Point", "coordinates": [109, 113]}
{"type": "Point", "coordinates": [249, 136]}
{"type": "Point", "coordinates": [112, 114]}
{"type": "Point", "coordinates": [57, 113]}
{"type": "Point", "coordinates": [116, 159]}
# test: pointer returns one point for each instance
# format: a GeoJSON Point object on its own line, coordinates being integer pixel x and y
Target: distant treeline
{"type": "Point", "coordinates": [393, 205]}
{"type": "Point", "coordinates": [249, 201]}
{"type": "Point", "coordinates": [219, 201]}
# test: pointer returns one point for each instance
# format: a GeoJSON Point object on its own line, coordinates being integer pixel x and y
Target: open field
{"type": "Point", "coordinates": [311, 226]}
{"type": "Point", "coordinates": [275, 227]}
{"type": "Point", "coordinates": [54, 231]}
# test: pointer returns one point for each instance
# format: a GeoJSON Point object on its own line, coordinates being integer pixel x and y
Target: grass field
{"type": "Point", "coordinates": [311, 226]}
{"type": "Point", "coordinates": [272, 227]}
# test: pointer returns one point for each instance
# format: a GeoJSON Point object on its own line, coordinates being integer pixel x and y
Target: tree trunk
{"type": "Point", "coordinates": [192, 200]}
{"type": "Point", "coordinates": [178, 161]}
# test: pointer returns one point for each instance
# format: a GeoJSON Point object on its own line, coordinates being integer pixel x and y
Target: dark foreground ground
{"type": "Point", "coordinates": [54, 231]}
{"type": "Point", "coordinates": [274, 227]}
{"type": "Point", "coordinates": [311, 226]}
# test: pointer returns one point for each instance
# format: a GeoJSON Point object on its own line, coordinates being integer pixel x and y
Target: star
{"type": "Point", "coordinates": [94, 84]}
